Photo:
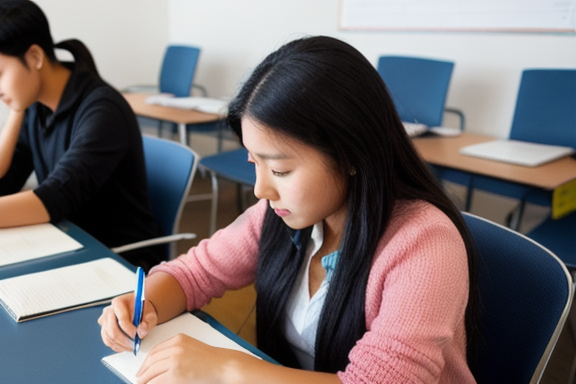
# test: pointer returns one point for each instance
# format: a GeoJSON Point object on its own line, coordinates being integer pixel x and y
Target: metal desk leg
{"type": "Point", "coordinates": [183, 134]}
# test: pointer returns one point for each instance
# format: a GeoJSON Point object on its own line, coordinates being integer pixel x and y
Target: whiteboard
{"type": "Point", "coordinates": [459, 15]}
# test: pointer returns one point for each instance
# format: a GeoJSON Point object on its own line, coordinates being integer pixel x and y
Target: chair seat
{"type": "Point", "coordinates": [232, 165]}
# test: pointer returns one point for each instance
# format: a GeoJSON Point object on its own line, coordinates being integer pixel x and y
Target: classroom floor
{"type": "Point", "coordinates": [236, 308]}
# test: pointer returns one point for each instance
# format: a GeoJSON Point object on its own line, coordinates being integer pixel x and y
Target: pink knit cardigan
{"type": "Point", "coordinates": [415, 298]}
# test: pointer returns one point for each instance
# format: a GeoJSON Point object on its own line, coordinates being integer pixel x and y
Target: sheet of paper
{"type": "Point", "coordinates": [125, 364]}
{"type": "Point", "coordinates": [202, 104]}
{"type": "Point", "coordinates": [63, 289]}
{"type": "Point", "coordinates": [19, 244]}
{"type": "Point", "coordinates": [517, 152]}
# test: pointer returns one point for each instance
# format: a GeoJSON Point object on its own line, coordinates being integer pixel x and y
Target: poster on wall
{"type": "Point", "coordinates": [555, 16]}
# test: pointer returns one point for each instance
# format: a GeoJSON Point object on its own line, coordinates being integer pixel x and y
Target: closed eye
{"type": "Point", "coordinates": [280, 174]}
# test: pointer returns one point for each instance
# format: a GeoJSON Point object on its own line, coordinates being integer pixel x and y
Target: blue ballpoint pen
{"type": "Point", "coordinates": [139, 298]}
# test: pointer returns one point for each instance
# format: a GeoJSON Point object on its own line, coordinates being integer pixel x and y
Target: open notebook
{"type": "Point", "coordinates": [29, 242]}
{"type": "Point", "coordinates": [517, 152]}
{"type": "Point", "coordinates": [45, 293]}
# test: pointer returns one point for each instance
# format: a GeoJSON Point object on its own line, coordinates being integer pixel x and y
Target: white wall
{"type": "Point", "coordinates": [126, 37]}
{"type": "Point", "coordinates": [235, 35]}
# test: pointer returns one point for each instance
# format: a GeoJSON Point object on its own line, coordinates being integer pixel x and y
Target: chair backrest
{"type": "Point", "coordinates": [546, 107]}
{"type": "Point", "coordinates": [418, 87]}
{"type": "Point", "coordinates": [558, 235]}
{"type": "Point", "coordinates": [178, 68]}
{"type": "Point", "coordinates": [525, 293]}
{"type": "Point", "coordinates": [170, 169]}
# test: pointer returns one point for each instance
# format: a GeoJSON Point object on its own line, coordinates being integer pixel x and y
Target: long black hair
{"type": "Point", "coordinates": [22, 24]}
{"type": "Point", "coordinates": [324, 93]}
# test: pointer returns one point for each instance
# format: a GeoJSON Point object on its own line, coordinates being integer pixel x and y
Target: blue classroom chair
{"type": "Point", "coordinates": [231, 165]}
{"type": "Point", "coordinates": [559, 236]}
{"type": "Point", "coordinates": [525, 295]}
{"type": "Point", "coordinates": [419, 88]}
{"type": "Point", "coordinates": [170, 169]}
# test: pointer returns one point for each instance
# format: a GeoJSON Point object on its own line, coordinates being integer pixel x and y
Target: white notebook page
{"type": "Point", "coordinates": [58, 290]}
{"type": "Point", "coordinates": [29, 242]}
{"type": "Point", "coordinates": [125, 364]}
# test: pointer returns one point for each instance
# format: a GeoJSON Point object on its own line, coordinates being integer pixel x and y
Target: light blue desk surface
{"type": "Point", "coordinates": [67, 347]}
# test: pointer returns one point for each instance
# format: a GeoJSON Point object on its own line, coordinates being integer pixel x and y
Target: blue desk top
{"type": "Point", "coordinates": [63, 348]}
{"type": "Point", "coordinates": [67, 347]}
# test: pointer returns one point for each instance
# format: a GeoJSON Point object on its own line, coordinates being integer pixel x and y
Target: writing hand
{"type": "Point", "coordinates": [116, 321]}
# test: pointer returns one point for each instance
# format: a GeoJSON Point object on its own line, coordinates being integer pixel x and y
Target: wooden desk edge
{"type": "Point", "coordinates": [443, 151]}
{"type": "Point", "coordinates": [138, 104]}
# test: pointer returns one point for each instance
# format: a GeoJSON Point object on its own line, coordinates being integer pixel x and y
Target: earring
{"type": "Point", "coordinates": [352, 172]}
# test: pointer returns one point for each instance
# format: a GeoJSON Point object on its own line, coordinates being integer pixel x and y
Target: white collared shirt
{"type": "Point", "coordinates": [303, 312]}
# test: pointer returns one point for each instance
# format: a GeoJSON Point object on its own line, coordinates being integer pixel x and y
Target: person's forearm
{"type": "Point", "coordinates": [255, 371]}
{"type": "Point", "coordinates": [8, 139]}
{"type": "Point", "coordinates": [166, 295]}
{"type": "Point", "coordinates": [22, 208]}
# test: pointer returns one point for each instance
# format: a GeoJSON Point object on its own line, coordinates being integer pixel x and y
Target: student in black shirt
{"type": "Point", "coordinates": [76, 132]}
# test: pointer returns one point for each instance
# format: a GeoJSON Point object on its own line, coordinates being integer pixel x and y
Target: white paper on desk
{"type": "Point", "coordinates": [125, 364]}
{"type": "Point", "coordinates": [29, 242]}
{"type": "Point", "coordinates": [63, 289]}
{"type": "Point", "coordinates": [202, 104]}
{"type": "Point", "coordinates": [517, 152]}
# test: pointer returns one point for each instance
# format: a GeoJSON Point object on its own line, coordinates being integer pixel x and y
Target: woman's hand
{"type": "Point", "coordinates": [116, 320]}
{"type": "Point", "coordinates": [182, 359]}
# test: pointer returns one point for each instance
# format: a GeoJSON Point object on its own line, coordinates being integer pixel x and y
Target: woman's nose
{"type": "Point", "coordinates": [263, 189]}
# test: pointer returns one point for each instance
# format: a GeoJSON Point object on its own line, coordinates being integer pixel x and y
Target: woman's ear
{"type": "Point", "coordinates": [35, 57]}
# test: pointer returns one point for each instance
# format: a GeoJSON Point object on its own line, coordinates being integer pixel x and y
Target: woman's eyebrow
{"type": "Point", "coordinates": [275, 156]}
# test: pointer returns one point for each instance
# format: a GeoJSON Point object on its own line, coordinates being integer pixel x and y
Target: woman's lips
{"type": "Point", "coordinates": [282, 212]}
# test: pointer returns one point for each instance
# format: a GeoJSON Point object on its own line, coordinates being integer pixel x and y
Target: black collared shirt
{"type": "Point", "coordinates": [89, 162]}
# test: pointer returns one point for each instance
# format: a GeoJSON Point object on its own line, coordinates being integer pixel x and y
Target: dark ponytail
{"type": "Point", "coordinates": [81, 54]}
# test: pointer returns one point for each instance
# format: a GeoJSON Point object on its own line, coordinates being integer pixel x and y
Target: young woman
{"type": "Point", "coordinates": [75, 131]}
{"type": "Point", "coordinates": [364, 269]}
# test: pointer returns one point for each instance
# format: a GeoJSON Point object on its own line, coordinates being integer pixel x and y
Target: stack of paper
{"type": "Point", "coordinates": [125, 364]}
{"type": "Point", "coordinates": [63, 289]}
{"type": "Point", "coordinates": [517, 152]}
{"type": "Point", "coordinates": [415, 129]}
{"type": "Point", "coordinates": [202, 104]}
{"type": "Point", "coordinates": [19, 244]}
